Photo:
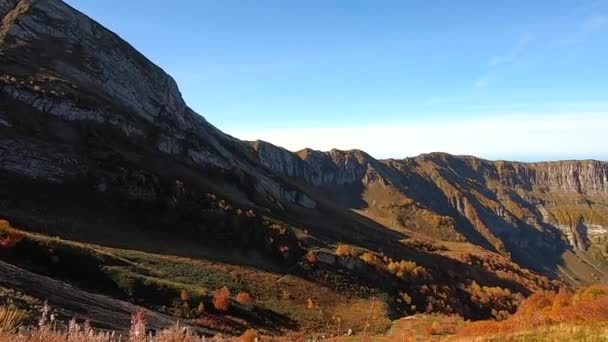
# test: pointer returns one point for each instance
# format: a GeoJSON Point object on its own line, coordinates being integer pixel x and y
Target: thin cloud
{"type": "Point", "coordinates": [484, 81]}
{"type": "Point", "coordinates": [501, 60]}
{"type": "Point", "coordinates": [512, 54]}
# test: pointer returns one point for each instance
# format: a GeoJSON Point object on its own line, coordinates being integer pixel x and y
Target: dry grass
{"type": "Point", "coordinates": [546, 313]}
{"type": "Point", "coordinates": [10, 317]}
{"type": "Point", "coordinates": [47, 331]}
{"type": "Point", "coordinates": [558, 332]}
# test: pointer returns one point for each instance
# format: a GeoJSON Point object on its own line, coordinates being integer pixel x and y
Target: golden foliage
{"type": "Point", "coordinates": [403, 269]}
{"type": "Point", "coordinates": [346, 250]}
{"type": "Point", "coordinates": [371, 259]}
{"type": "Point", "coordinates": [405, 297]}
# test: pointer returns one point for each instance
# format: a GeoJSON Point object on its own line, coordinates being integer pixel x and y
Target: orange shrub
{"type": "Point", "coordinates": [245, 299]}
{"type": "Point", "coordinates": [221, 299]}
{"type": "Point", "coordinates": [249, 336]}
{"type": "Point", "coordinates": [561, 300]}
{"type": "Point", "coordinates": [592, 311]}
{"type": "Point", "coordinates": [542, 308]}
{"type": "Point", "coordinates": [433, 329]}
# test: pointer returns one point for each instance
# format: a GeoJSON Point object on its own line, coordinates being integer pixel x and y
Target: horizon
{"type": "Point", "coordinates": [392, 79]}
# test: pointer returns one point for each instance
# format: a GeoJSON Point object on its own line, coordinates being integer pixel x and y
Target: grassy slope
{"type": "Point", "coordinates": [157, 280]}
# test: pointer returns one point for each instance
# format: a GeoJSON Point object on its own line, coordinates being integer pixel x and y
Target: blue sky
{"type": "Point", "coordinates": [521, 80]}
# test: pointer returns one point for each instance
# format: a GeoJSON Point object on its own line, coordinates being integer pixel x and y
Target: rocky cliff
{"type": "Point", "coordinates": [57, 64]}
{"type": "Point", "coordinates": [506, 206]}
{"type": "Point", "coordinates": [98, 146]}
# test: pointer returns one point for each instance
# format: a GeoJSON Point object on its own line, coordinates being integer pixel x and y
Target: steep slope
{"type": "Point", "coordinates": [102, 163]}
{"type": "Point", "coordinates": [103, 311]}
{"type": "Point", "coordinates": [537, 212]}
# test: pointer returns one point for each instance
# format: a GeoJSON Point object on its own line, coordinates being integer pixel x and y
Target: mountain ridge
{"type": "Point", "coordinates": [98, 148]}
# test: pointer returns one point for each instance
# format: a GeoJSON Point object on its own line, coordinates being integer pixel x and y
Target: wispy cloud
{"type": "Point", "coordinates": [518, 136]}
{"type": "Point", "coordinates": [513, 53]}
{"type": "Point", "coordinates": [501, 60]}
{"type": "Point", "coordinates": [484, 81]}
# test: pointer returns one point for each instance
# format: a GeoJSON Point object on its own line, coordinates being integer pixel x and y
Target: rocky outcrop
{"type": "Point", "coordinates": [497, 199]}
{"type": "Point", "coordinates": [58, 64]}
{"type": "Point", "coordinates": [39, 161]}
{"type": "Point", "coordinates": [318, 168]}
{"type": "Point", "coordinates": [587, 176]}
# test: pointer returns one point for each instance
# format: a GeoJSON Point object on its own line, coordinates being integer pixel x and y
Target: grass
{"type": "Point", "coordinates": [559, 332]}
{"type": "Point", "coordinates": [47, 331]}
{"type": "Point", "coordinates": [10, 317]}
{"type": "Point", "coordinates": [422, 327]}
{"type": "Point", "coordinates": [156, 281]}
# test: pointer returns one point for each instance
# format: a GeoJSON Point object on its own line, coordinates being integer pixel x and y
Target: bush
{"type": "Point", "coordinates": [249, 336]}
{"type": "Point", "coordinates": [403, 269]}
{"type": "Point", "coordinates": [221, 299]}
{"type": "Point", "coordinates": [346, 250]}
{"type": "Point", "coordinates": [545, 308]}
{"type": "Point", "coordinates": [245, 299]}
{"type": "Point", "coordinates": [371, 259]}
{"type": "Point", "coordinates": [311, 258]}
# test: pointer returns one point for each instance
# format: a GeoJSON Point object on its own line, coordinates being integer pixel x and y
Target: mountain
{"type": "Point", "coordinates": [533, 212]}
{"type": "Point", "coordinates": [114, 185]}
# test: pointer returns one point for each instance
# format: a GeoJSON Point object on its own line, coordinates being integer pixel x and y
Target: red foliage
{"type": "Point", "coordinates": [311, 258]}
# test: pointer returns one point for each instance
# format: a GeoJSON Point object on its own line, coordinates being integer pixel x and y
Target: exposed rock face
{"type": "Point", "coordinates": [39, 161]}
{"type": "Point", "coordinates": [56, 62]}
{"type": "Point", "coordinates": [319, 168]}
{"type": "Point", "coordinates": [588, 176]}
{"type": "Point", "coordinates": [497, 199]}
